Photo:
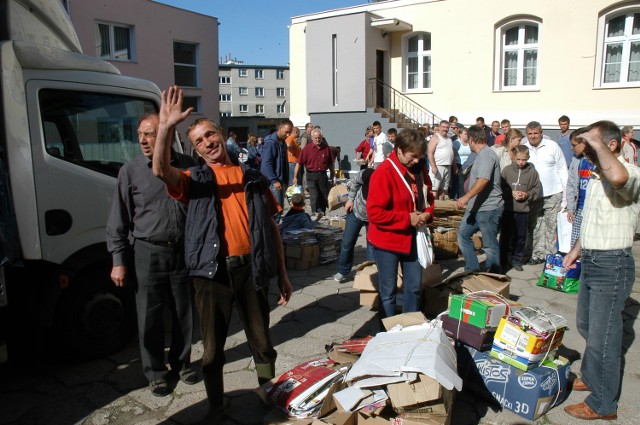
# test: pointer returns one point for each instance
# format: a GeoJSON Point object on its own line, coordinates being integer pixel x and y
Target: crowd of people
{"type": "Point", "coordinates": [210, 229]}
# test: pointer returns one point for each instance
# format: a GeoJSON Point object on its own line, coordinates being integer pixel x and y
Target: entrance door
{"type": "Point", "coordinates": [380, 77]}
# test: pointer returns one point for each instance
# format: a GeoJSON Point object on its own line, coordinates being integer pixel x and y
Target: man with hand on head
{"type": "Point", "coordinates": [232, 244]}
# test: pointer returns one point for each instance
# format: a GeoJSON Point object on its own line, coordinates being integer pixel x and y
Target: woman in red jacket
{"type": "Point", "coordinates": [396, 206]}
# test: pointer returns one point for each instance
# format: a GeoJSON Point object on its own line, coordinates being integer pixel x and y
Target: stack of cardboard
{"type": "Point", "coordinates": [301, 249]}
{"type": "Point", "coordinates": [329, 238]}
{"type": "Point", "coordinates": [444, 228]}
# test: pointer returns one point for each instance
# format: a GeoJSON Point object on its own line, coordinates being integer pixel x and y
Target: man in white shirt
{"type": "Point", "coordinates": [610, 216]}
{"type": "Point", "coordinates": [440, 153]}
{"type": "Point", "coordinates": [381, 146]}
{"type": "Point", "coordinates": [547, 157]}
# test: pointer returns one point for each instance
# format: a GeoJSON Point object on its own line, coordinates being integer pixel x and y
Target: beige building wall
{"type": "Point", "coordinates": [465, 59]}
{"type": "Point", "coordinates": [155, 27]}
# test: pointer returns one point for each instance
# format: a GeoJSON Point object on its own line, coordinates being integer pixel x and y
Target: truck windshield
{"type": "Point", "coordinates": [94, 130]}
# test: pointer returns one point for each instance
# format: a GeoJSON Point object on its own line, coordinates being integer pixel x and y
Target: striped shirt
{"type": "Point", "coordinates": [610, 216]}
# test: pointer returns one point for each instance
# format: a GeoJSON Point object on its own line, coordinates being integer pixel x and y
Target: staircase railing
{"type": "Point", "coordinates": [399, 107]}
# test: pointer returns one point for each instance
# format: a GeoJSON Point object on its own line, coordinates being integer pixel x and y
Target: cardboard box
{"type": "Point", "coordinates": [432, 275]}
{"type": "Point", "coordinates": [338, 196]}
{"type": "Point", "coordinates": [366, 279]}
{"type": "Point", "coordinates": [481, 281]}
{"type": "Point", "coordinates": [337, 222]}
{"type": "Point", "coordinates": [477, 241]}
{"type": "Point", "coordinates": [480, 339]}
{"type": "Point", "coordinates": [481, 309]}
{"type": "Point", "coordinates": [445, 244]}
{"type": "Point", "coordinates": [369, 298]}
{"type": "Point", "coordinates": [520, 361]}
{"type": "Point", "coordinates": [529, 394]}
{"type": "Point", "coordinates": [302, 257]}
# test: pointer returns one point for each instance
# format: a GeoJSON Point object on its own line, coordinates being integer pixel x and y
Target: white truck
{"type": "Point", "coordinates": [67, 123]}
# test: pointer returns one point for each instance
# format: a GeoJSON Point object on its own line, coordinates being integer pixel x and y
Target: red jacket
{"type": "Point", "coordinates": [389, 206]}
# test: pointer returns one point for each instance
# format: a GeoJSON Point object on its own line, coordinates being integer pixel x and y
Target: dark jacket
{"type": "Point", "coordinates": [274, 164]}
{"type": "Point", "coordinates": [295, 220]}
{"type": "Point", "coordinates": [202, 242]}
{"type": "Point", "coordinates": [525, 180]}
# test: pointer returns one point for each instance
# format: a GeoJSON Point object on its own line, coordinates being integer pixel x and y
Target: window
{"type": "Point", "coordinates": [114, 41]}
{"type": "Point", "coordinates": [418, 62]}
{"type": "Point", "coordinates": [224, 80]}
{"type": "Point", "coordinates": [621, 49]}
{"type": "Point", "coordinates": [242, 72]}
{"type": "Point", "coordinates": [192, 102]}
{"type": "Point", "coordinates": [226, 114]}
{"type": "Point", "coordinates": [259, 74]}
{"type": "Point", "coordinates": [259, 91]}
{"type": "Point", "coordinates": [243, 91]}
{"type": "Point", "coordinates": [225, 98]}
{"type": "Point", "coordinates": [244, 108]}
{"type": "Point", "coordinates": [260, 109]}
{"type": "Point", "coordinates": [280, 92]}
{"type": "Point", "coordinates": [185, 65]}
{"type": "Point", "coordinates": [97, 131]}
{"type": "Point", "coordinates": [280, 74]}
{"type": "Point", "coordinates": [281, 109]}
{"type": "Point", "coordinates": [518, 67]}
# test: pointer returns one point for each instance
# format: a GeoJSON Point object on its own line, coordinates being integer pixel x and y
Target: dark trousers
{"type": "Point", "coordinates": [319, 187]}
{"type": "Point", "coordinates": [162, 280]}
{"type": "Point", "coordinates": [214, 300]}
{"type": "Point", "coordinates": [513, 233]}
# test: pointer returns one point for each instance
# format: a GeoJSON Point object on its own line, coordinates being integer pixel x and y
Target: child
{"type": "Point", "coordinates": [296, 218]}
{"type": "Point", "coordinates": [520, 187]}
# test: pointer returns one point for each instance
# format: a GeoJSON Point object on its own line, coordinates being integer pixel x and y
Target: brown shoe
{"type": "Point", "coordinates": [582, 411]}
{"type": "Point", "coordinates": [579, 385]}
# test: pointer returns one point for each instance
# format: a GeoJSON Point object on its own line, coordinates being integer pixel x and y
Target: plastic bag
{"type": "Point", "coordinates": [564, 232]}
{"type": "Point", "coordinates": [555, 276]}
{"type": "Point", "coordinates": [425, 246]}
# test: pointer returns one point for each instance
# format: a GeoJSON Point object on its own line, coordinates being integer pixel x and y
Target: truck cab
{"type": "Point", "coordinates": [68, 122]}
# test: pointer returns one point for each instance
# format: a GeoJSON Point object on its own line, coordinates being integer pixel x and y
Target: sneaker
{"type": "Point", "coordinates": [339, 277]}
{"type": "Point", "coordinates": [534, 261]}
{"type": "Point", "coordinates": [517, 267]}
{"type": "Point", "coordinates": [160, 388]}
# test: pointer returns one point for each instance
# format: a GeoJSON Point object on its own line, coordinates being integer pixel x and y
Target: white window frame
{"type": "Point", "coordinates": [259, 91]}
{"type": "Point", "coordinates": [113, 55]}
{"type": "Point", "coordinates": [243, 91]}
{"type": "Point", "coordinates": [259, 109]}
{"type": "Point", "coordinates": [225, 98]}
{"type": "Point", "coordinates": [626, 40]}
{"type": "Point", "coordinates": [226, 114]}
{"type": "Point", "coordinates": [224, 79]}
{"type": "Point", "coordinates": [194, 65]}
{"type": "Point", "coordinates": [259, 73]}
{"type": "Point", "coordinates": [280, 92]}
{"type": "Point", "coordinates": [279, 74]}
{"type": "Point", "coordinates": [521, 48]}
{"type": "Point", "coordinates": [419, 55]}
{"type": "Point", "coordinates": [242, 72]}
{"type": "Point", "coordinates": [243, 108]}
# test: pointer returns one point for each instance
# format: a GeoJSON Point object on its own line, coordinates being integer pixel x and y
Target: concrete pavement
{"type": "Point", "coordinates": [113, 391]}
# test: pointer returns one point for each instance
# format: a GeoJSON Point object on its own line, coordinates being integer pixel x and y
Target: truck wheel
{"type": "Point", "coordinates": [94, 317]}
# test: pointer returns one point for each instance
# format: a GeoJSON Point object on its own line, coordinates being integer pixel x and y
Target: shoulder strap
{"type": "Point", "coordinates": [403, 181]}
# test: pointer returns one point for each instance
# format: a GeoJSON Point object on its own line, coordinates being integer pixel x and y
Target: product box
{"type": "Point", "coordinates": [529, 394]}
{"type": "Point", "coordinates": [302, 257]}
{"type": "Point", "coordinates": [523, 348]}
{"type": "Point", "coordinates": [481, 309]}
{"type": "Point", "coordinates": [478, 338]}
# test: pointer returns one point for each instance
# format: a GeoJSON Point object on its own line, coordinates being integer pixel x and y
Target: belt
{"type": "Point", "coordinates": [320, 171]}
{"type": "Point", "coordinates": [166, 244]}
{"type": "Point", "coordinates": [238, 260]}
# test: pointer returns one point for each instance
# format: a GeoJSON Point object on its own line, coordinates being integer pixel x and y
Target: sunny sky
{"type": "Point", "coordinates": [256, 31]}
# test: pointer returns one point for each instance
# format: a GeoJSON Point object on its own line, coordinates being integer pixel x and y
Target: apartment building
{"type": "Point", "coordinates": [253, 98]}
{"type": "Point", "coordinates": [157, 42]}
{"type": "Point", "coordinates": [422, 60]}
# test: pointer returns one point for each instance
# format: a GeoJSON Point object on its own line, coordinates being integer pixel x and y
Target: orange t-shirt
{"type": "Point", "coordinates": [230, 182]}
{"type": "Point", "coordinates": [293, 150]}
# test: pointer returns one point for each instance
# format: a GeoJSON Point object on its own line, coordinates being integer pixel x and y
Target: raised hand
{"type": "Point", "coordinates": [171, 112]}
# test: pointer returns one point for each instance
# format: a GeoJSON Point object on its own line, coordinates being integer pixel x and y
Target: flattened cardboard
{"type": "Point", "coordinates": [369, 298]}
{"type": "Point", "coordinates": [404, 320]}
{"type": "Point", "coordinates": [405, 394]}
{"type": "Point", "coordinates": [481, 281]}
{"type": "Point", "coordinates": [432, 275]}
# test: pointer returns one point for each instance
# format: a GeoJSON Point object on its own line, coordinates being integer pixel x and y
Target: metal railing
{"type": "Point", "coordinates": [399, 108]}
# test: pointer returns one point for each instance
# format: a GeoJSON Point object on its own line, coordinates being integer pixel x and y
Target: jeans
{"type": "Point", "coordinates": [279, 195]}
{"type": "Point", "coordinates": [487, 222]}
{"type": "Point", "coordinates": [605, 284]}
{"type": "Point", "coordinates": [292, 168]}
{"type": "Point", "coordinates": [387, 262]}
{"type": "Point", "coordinates": [352, 228]}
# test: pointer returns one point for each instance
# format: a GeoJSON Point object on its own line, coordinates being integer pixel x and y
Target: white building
{"type": "Point", "coordinates": [423, 60]}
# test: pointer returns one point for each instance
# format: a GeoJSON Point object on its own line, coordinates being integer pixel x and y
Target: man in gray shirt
{"type": "Point", "coordinates": [143, 209]}
{"type": "Point", "coordinates": [484, 204]}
